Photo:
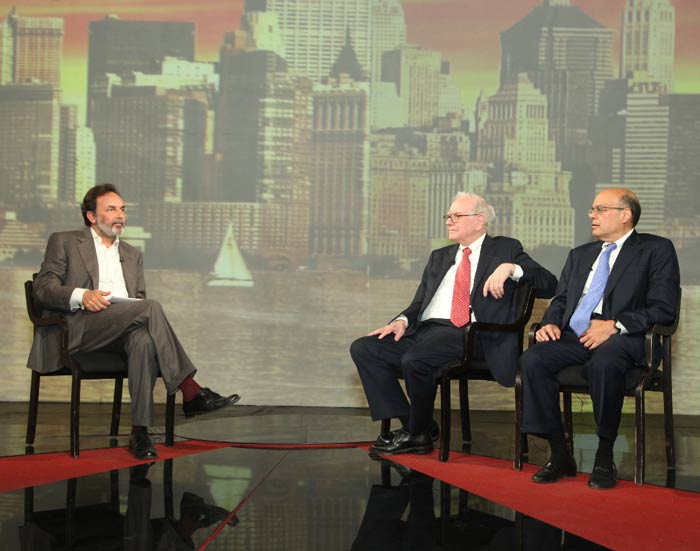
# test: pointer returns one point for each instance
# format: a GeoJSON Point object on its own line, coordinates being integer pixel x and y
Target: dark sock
{"type": "Point", "coordinates": [135, 429]}
{"type": "Point", "coordinates": [189, 388]}
{"type": "Point", "coordinates": [604, 454]}
{"type": "Point", "coordinates": [404, 421]}
{"type": "Point", "coordinates": [557, 444]}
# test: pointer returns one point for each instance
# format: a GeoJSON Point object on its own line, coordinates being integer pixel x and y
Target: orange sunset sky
{"type": "Point", "coordinates": [466, 32]}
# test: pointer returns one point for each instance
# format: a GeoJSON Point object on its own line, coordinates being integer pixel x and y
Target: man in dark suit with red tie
{"type": "Point", "coordinates": [608, 295]}
{"type": "Point", "coordinates": [474, 279]}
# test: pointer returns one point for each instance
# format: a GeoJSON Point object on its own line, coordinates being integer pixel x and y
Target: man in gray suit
{"type": "Point", "coordinates": [84, 275]}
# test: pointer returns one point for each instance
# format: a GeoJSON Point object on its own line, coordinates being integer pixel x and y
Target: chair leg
{"type": "Point", "coordinates": [668, 408]}
{"type": "Point", "coordinates": [75, 413]}
{"type": "Point", "coordinates": [116, 407]}
{"type": "Point", "coordinates": [33, 409]}
{"type": "Point", "coordinates": [170, 420]}
{"type": "Point", "coordinates": [518, 446]}
{"type": "Point", "coordinates": [640, 444]}
{"type": "Point", "coordinates": [568, 422]}
{"type": "Point", "coordinates": [445, 419]}
{"type": "Point", "coordinates": [464, 411]}
{"type": "Point", "coordinates": [168, 504]}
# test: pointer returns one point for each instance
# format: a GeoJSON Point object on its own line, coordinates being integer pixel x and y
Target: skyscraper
{"type": "Point", "coordinates": [340, 167]}
{"type": "Point", "coordinates": [415, 72]}
{"type": "Point", "coordinates": [527, 186]}
{"type": "Point", "coordinates": [30, 49]}
{"type": "Point", "coordinates": [388, 32]}
{"type": "Point", "coordinates": [648, 39]}
{"type": "Point", "coordinates": [77, 157]}
{"type": "Point", "coordinates": [141, 135]}
{"type": "Point", "coordinates": [683, 187]}
{"type": "Point", "coordinates": [313, 32]}
{"type": "Point", "coordinates": [634, 121]}
{"type": "Point", "coordinates": [119, 47]}
{"type": "Point", "coordinates": [568, 56]}
{"type": "Point", "coordinates": [29, 134]}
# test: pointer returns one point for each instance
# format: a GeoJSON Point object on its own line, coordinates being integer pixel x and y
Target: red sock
{"type": "Point", "coordinates": [189, 388]}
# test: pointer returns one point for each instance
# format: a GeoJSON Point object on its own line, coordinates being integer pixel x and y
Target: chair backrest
{"type": "Point", "coordinates": [33, 310]}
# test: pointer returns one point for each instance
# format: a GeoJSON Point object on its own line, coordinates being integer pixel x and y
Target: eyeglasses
{"type": "Point", "coordinates": [600, 209]}
{"type": "Point", "coordinates": [456, 216]}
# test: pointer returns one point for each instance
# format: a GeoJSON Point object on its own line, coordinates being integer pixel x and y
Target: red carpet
{"type": "Point", "coordinates": [627, 517]}
{"type": "Point", "coordinates": [22, 471]}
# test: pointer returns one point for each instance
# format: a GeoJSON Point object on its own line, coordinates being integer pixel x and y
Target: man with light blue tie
{"type": "Point", "coordinates": [606, 299]}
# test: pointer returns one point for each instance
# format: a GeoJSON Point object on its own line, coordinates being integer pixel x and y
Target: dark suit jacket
{"type": "Point", "coordinates": [642, 288]}
{"type": "Point", "coordinates": [70, 262]}
{"type": "Point", "coordinates": [500, 351]}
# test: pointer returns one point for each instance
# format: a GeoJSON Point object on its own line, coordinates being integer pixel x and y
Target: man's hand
{"type": "Point", "coordinates": [397, 327]}
{"type": "Point", "coordinates": [549, 332]}
{"type": "Point", "coordinates": [599, 332]}
{"type": "Point", "coordinates": [95, 300]}
{"type": "Point", "coordinates": [494, 284]}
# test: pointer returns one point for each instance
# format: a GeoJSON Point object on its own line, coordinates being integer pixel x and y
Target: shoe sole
{"type": "Point", "coordinates": [422, 450]}
{"type": "Point", "coordinates": [567, 475]}
{"type": "Point", "coordinates": [195, 413]}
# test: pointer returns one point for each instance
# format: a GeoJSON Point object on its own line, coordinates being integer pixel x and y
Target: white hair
{"type": "Point", "coordinates": [482, 205]}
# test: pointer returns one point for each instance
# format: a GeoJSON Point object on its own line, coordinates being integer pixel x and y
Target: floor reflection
{"type": "Point", "coordinates": [267, 500]}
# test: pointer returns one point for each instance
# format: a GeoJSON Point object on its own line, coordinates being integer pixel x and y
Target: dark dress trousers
{"type": "Point", "coordinates": [642, 290]}
{"type": "Point", "coordinates": [139, 329]}
{"type": "Point", "coordinates": [427, 346]}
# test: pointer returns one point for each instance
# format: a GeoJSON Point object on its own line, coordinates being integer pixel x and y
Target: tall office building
{"type": "Point", "coordinates": [398, 200]}
{"type": "Point", "coordinates": [339, 167]}
{"type": "Point", "coordinates": [527, 186]}
{"type": "Point", "coordinates": [30, 49]}
{"type": "Point", "coordinates": [262, 136]}
{"type": "Point", "coordinates": [568, 56]}
{"type": "Point", "coordinates": [29, 134]}
{"type": "Point", "coordinates": [388, 32]}
{"type": "Point", "coordinates": [77, 157]}
{"type": "Point", "coordinates": [415, 72]}
{"type": "Point", "coordinates": [142, 140]}
{"type": "Point", "coordinates": [683, 180]}
{"type": "Point", "coordinates": [632, 137]}
{"type": "Point", "coordinates": [648, 39]}
{"type": "Point", "coordinates": [118, 47]}
{"type": "Point", "coordinates": [313, 32]}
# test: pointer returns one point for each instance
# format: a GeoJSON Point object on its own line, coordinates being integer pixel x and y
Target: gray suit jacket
{"type": "Point", "coordinates": [70, 262]}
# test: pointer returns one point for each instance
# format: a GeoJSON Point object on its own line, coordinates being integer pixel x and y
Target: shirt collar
{"type": "Point", "coordinates": [475, 244]}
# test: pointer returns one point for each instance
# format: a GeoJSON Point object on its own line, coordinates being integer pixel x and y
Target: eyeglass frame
{"type": "Point", "coordinates": [600, 209]}
{"type": "Point", "coordinates": [454, 217]}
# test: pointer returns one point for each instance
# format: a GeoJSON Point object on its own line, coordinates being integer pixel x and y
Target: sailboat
{"type": "Point", "coordinates": [230, 269]}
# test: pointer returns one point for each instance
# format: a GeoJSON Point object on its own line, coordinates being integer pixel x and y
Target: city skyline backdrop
{"type": "Point", "coordinates": [288, 166]}
{"type": "Point", "coordinates": [466, 32]}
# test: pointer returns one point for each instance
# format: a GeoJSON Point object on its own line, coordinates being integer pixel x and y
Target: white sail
{"type": "Point", "coordinates": [230, 269]}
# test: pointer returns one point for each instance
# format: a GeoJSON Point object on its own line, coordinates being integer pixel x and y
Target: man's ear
{"type": "Point", "coordinates": [91, 216]}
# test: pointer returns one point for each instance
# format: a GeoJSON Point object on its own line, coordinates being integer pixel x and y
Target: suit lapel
{"type": "Point", "coordinates": [482, 267]}
{"type": "Point", "coordinates": [86, 249]}
{"type": "Point", "coordinates": [625, 257]}
{"type": "Point", "coordinates": [588, 258]}
{"type": "Point", "coordinates": [441, 270]}
{"type": "Point", "coordinates": [128, 269]}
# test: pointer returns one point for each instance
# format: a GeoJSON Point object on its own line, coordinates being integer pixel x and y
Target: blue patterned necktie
{"type": "Point", "coordinates": [581, 318]}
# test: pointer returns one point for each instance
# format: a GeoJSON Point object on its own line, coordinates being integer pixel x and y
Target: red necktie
{"type": "Point", "coordinates": [460, 297]}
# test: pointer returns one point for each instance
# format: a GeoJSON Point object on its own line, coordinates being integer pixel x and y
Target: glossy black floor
{"type": "Point", "coordinates": [307, 499]}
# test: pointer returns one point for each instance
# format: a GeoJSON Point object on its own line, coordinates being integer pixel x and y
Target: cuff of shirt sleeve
{"type": "Point", "coordinates": [517, 273]}
{"type": "Point", "coordinates": [76, 299]}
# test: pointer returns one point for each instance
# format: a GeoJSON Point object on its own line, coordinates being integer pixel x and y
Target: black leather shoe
{"type": "Point", "coordinates": [141, 446]}
{"type": "Point", "coordinates": [552, 471]}
{"type": "Point", "coordinates": [603, 478]}
{"type": "Point", "coordinates": [207, 401]}
{"type": "Point", "coordinates": [405, 442]}
{"type": "Point", "coordinates": [386, 437]}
